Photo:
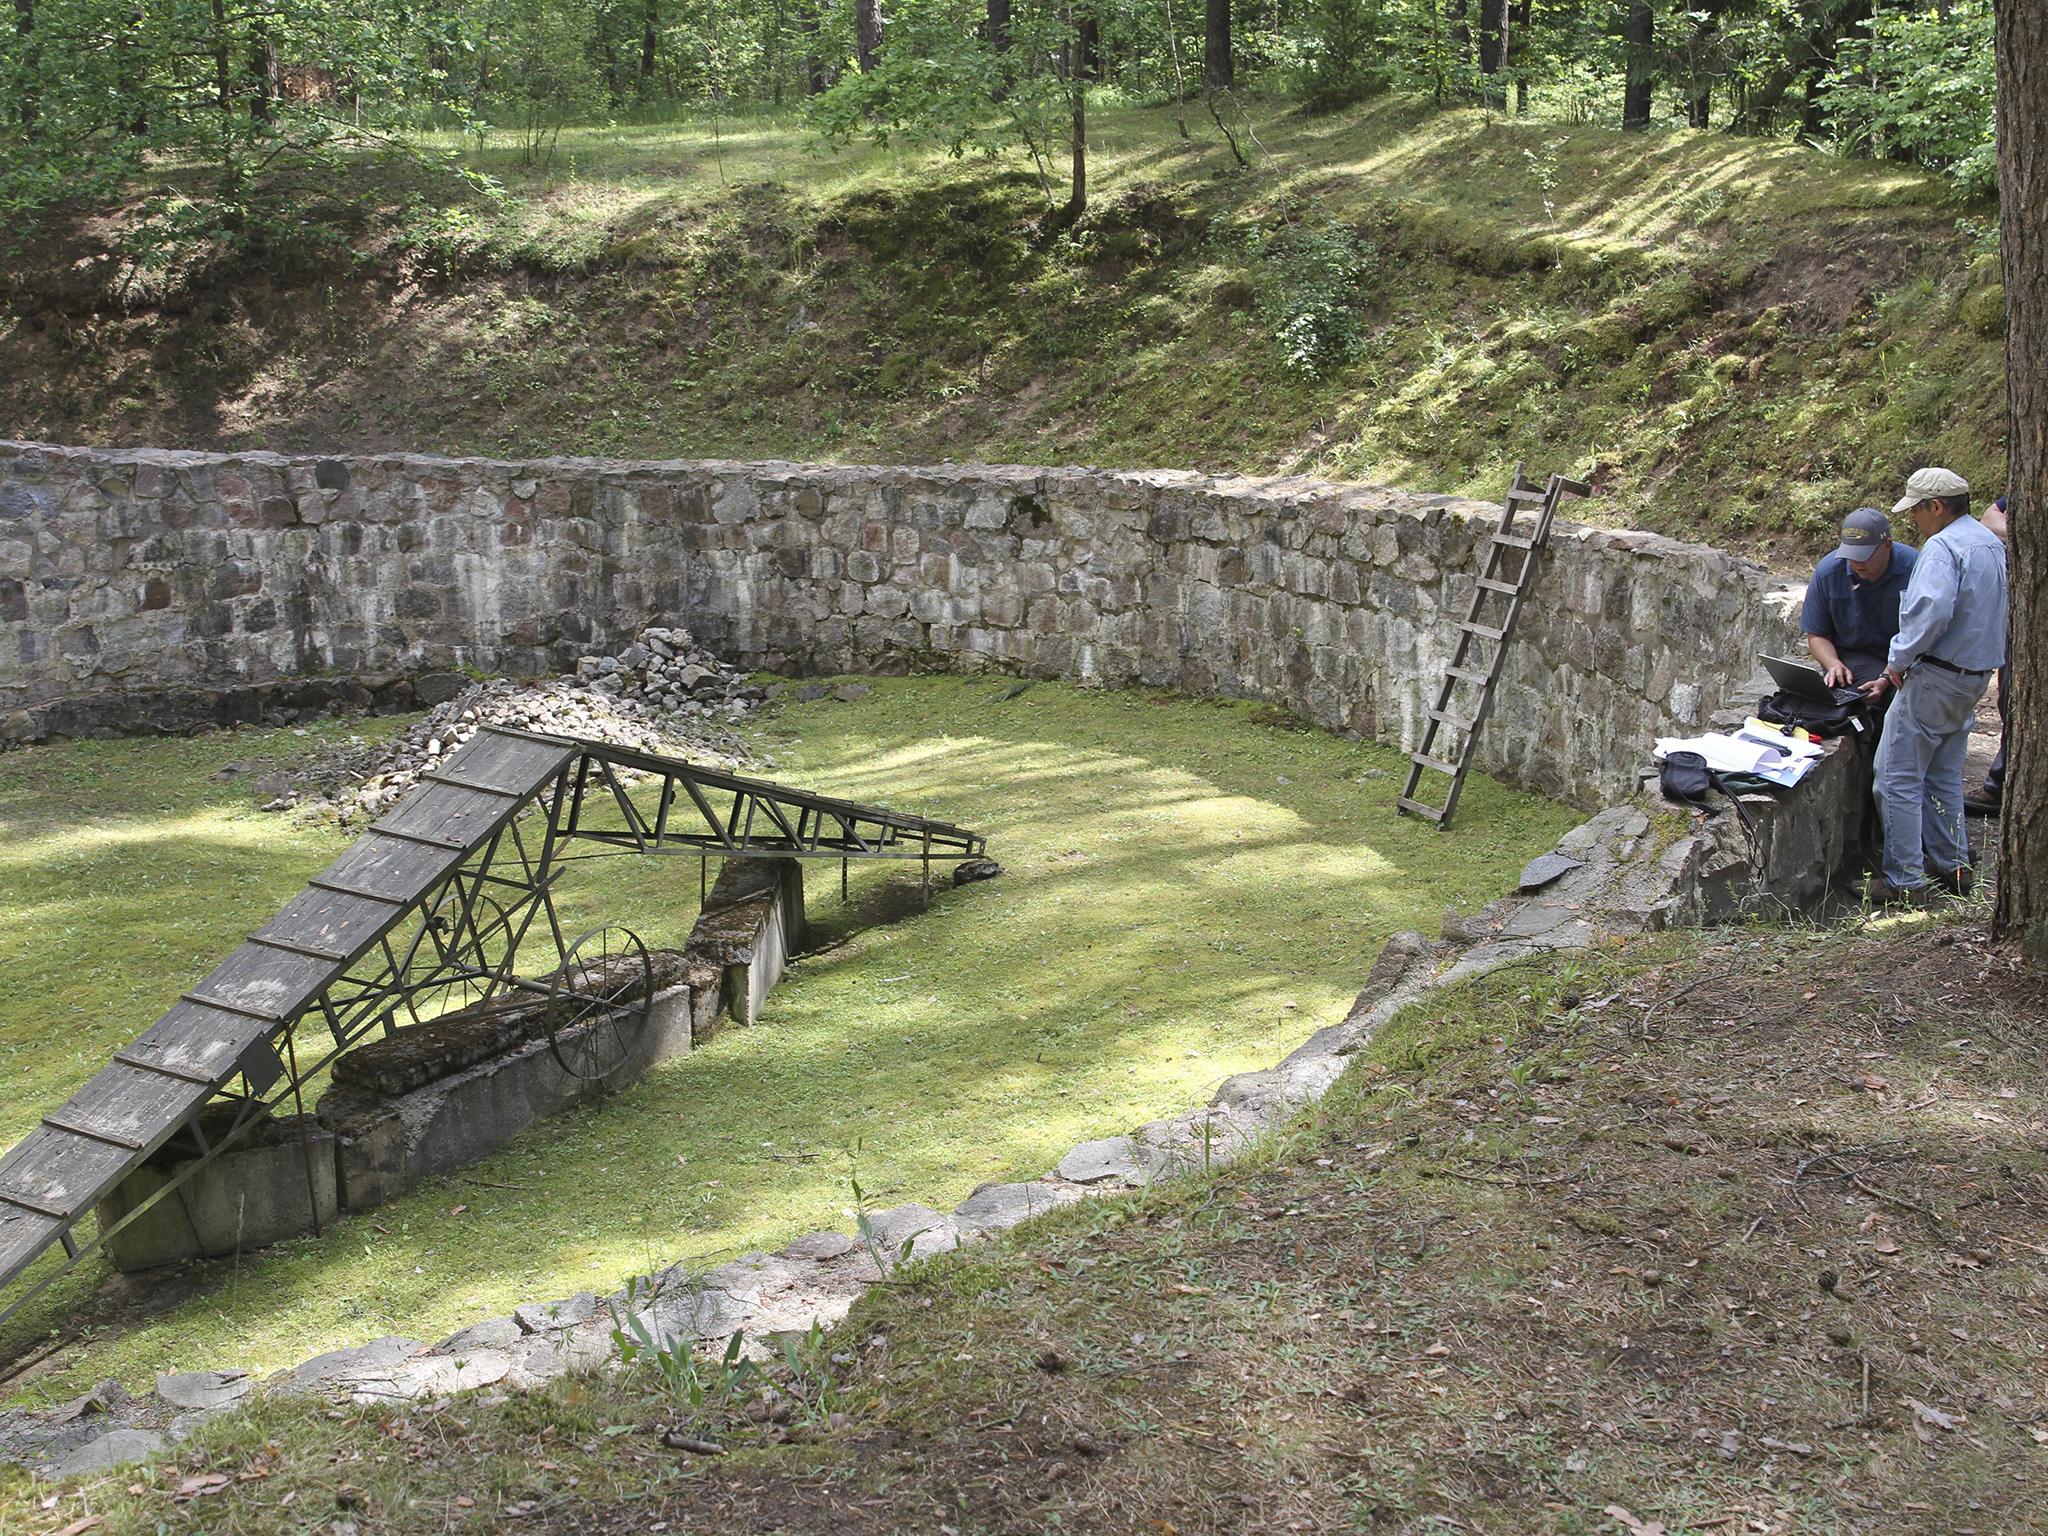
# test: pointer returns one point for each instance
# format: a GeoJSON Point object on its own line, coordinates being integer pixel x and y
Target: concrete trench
{"type": "Point", "coordinates": [1333, 601]}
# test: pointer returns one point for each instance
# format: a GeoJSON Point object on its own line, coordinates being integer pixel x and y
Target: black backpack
{"type": "Point", "coordinates": [1686, 778]}
{"type": "Point", "coordinates": [1824, 720]}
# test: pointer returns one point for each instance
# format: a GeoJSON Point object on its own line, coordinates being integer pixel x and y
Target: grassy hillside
{"type": "Point", "coordinates": [1734, 338]}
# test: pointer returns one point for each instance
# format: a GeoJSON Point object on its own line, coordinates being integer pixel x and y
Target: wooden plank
{"type": "Point", "coordinates": [267, 982]}
{"type": "Point", "coordinates": [1468, 675]}
{"type": "Point", "coordinates": [1513, 541]}
{"type": "Point", "coordinates": [329, 920]}
{"type": "Point", "coordinates": [1417, 808]}
{"type": "Point", "coordinates": [491, 760]}
{"type": "Point", "coordinates": [1436, 763]}
{"type": "Point", "coordinates": [55, 1170]}
{"type": "Point", "coordinates": [197, 1041]}
{"type": "Point", "coordinates": [1487, 583]}
{"type": "Point", "coordinates": [1445, 717]}
{"type": "Point", "coordinates": [1472, 627]}
{"type": "Point", "coordinates": [129, 1105]}
{"type": "Point", "coordinates": [449, 812]}
{"type": "Point", "coordinates": [23, 1235]}
{"type": "Point", "coordinates": [383, 866]}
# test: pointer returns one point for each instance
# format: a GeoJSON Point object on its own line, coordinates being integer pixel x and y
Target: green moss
{"type": "Point", "coordinates": [1189, 893]}
{"type": "Point", "coordinates": [1984, 310]}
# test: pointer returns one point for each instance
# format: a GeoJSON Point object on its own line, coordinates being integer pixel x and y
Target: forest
{"type": "Point", "coordinates": [98, 92]}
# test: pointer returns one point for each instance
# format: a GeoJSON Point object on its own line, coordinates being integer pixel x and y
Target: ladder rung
{"type": "Point", "coordinates": [1472, 626]}
{"type": "Point", "coordinates": [1513, 541]}
{"type": "Point", "coordinates": [1445, 717]}
{"type": "Point", "coordinates": [1417, 808]}
{"type": "Point", "coordinates": [1490, 585]}
{"type": "Point", "coordinates": [1483, 679]}
{"type": "Point", "coordinates": [1528, 495]}
{"type": "Point", "coordinates": [1432, 762]}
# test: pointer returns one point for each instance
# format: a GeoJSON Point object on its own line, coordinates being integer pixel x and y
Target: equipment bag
{"type": "Point", "coordinates": [1824, 720]}
{"type": "Point", "coordinates": [1686, 778]}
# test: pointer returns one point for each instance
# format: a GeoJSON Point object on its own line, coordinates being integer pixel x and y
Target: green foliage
{"type": "Point", "coordinates": [1919, 87]}
{"type": "Point", "coordinates": [1311, 284]}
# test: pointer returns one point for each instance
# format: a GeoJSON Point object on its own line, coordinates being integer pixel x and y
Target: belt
{"type": "Point", "coordinates": [1949, 666]}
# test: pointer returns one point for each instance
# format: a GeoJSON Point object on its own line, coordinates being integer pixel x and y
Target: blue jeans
{"type": "Point", "coordinates": [1920, 774]}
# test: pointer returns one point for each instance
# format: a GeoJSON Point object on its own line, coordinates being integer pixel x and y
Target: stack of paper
{"type": "Point", "coordinates": [1780, 760]}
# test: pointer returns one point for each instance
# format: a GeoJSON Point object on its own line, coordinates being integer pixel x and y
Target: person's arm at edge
{"type": "Point", "coordinates": [1995, 519]}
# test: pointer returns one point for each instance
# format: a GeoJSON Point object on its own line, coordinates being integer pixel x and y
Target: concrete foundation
{"type": "Point", "coordinates": [246, 1198]}
{"type": "Point", "coordinates": [752, 923]}
{"type": "Point", "coordinates": [386, 1144]}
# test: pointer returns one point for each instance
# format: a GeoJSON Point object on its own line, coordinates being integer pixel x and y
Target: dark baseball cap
{"type": "Point", "coordinates": [1862, 531]}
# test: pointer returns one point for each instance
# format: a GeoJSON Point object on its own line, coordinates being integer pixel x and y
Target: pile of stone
{"type": "Point", "coordinates": [663, 693]}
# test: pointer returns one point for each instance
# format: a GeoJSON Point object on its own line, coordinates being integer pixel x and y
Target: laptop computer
{"type": "Point", "coordinates": [1803, 680]}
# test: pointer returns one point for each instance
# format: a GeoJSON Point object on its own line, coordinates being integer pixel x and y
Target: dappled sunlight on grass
{"type": "Point", "coordinates": [1188, 894]}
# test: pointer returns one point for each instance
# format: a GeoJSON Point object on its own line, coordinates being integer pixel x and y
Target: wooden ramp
{"type": "Point", "coordinates": [431, 902]}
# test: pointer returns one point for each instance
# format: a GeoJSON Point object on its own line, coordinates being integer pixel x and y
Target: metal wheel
{"type": "Point", "coordinates": [597, 1003]}
{"type": "Point", "coordinates": [475, 941]}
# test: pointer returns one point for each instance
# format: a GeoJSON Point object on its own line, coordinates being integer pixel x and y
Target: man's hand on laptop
{"type": "Point", "coordinates": [1836, 674]}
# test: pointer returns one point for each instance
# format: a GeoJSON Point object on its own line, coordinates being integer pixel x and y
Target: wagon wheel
{"type": "Point", "coordinates": [475, 945]}
{"type": "Point", "coordinates": [597, 1003]}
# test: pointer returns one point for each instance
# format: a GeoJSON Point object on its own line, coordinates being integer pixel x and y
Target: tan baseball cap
{"type": "Point", "coordinates": [1925, 483]}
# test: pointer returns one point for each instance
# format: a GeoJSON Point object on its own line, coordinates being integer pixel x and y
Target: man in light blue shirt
{"type": "Point", "coordinates": [1951, 640]}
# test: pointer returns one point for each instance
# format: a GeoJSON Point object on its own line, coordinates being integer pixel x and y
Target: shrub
{"type": "Point", "coordinates": [1919, 88]}
{"type": "Point", "coordinates": [1310, 286]}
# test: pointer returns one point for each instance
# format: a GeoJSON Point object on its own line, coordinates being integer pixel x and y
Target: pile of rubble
{"type": "Point", "coordinates": [663, 693]}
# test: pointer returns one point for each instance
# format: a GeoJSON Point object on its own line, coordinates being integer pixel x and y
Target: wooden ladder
{"type": "Point", "coordinates": [1470, 667]}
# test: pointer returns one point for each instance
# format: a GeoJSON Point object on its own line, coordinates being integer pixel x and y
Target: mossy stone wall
{"type": "Point", "coordinates": [131, 580]}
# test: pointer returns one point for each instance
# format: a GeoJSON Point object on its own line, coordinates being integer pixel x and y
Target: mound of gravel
{"type": "Point", "coordinates": [663, 693]}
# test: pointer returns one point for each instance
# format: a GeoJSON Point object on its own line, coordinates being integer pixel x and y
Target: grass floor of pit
{"type": "Point", "coordinates": [1192, 889]}
{"type": "Point", "coordinates": [1738, 1231]}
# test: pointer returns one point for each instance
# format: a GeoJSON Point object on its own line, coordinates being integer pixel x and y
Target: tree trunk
{"type": "Point", "coordinates": [1088, 48]}
{"type": "Point", "coordinates": [1699, 91]}
{"type": "Point", "coordinates": [1077, 196]}
{"type": "Point", "coordinates": [999, 25]}
{"type": "Point", "coordinates": [867, 34]}
{"type": "Point", "coordinates": [1459, 13]}
{"type": "Point", "coordinates": [650, 45]}
{"type": "Point", "coordinates": [814, 65]}
{"type": "Point", "coordinates": [1493, 50]}
{"type": "Point", "coordinates": [263, 76]}
{"type": "Point", "coordinates": [1638, 37]}
{"type": "Point", "coordinates": [1517, 52]}
{"type": "Point", "coordinates": [2022, 911]}
{"type": "Point", "coordinates": [1217, 72]}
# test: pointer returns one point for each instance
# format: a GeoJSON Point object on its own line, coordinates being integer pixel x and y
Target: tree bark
{"type": "Point", "coordinates": [999, 25]}
{"type": "Point", "coordinates": [814, 65]}
{"type": "Point", "coordinates": [2022, 911]}
{"type": "Point", "coordinates": [1493, 50]}
{"type": "Point", "coordinates": [1517, 51]}
{"type": "Point", "coordinates": [1077, 196]}
{"type": "Point", "coordinates": [650, 45]}
{"type": "Point", "coordinates": [263, 76]}
{"type": "Point", "coordinates": [1217, 71]}
{"type": "Point", "coordinates": [1638, 37]}
{"type": "Point", "coordinates": [867, 34]}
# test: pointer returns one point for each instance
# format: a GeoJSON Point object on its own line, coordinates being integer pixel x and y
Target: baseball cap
{"type": "Point", "coordinates": [1923, 483]}
{"type": "Point", "coordinates": [1862, 531]}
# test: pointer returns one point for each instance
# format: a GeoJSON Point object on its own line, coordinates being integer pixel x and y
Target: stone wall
{"type": "Point", "coordinates": [131, 577]}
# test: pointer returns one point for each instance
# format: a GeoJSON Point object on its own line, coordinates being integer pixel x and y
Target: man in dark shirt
{"type": "Point", "coordinates": [1852, 602]}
